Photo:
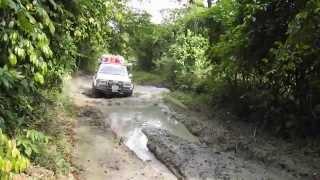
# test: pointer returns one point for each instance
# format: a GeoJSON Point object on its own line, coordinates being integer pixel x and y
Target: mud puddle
{"type": "Point", "coordinates": [145, 110]}
{"type": "Point", "coordinates": [110, 144]}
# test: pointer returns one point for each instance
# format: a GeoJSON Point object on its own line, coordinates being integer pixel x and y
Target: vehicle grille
{"type": "Point", "coordinates": [110, 83]}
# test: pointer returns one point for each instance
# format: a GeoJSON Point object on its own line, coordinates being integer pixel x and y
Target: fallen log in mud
{"type": "Point", "coordinates": [196, 161]}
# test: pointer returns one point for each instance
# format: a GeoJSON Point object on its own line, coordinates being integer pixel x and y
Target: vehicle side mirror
{"type": "Point", "coordinates": [130, 75]}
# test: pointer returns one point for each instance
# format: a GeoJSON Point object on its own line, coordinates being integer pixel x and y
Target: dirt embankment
{"type": "Point", "coordinates": [197, 161]}
{"type": "Point", "coordinates": [222, 132]}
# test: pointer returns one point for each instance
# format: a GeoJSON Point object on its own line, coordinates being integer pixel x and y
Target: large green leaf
{"type": "Point", "coordinates": [39, 78]}
{"type": "Point", "coordinates": [24, 22]}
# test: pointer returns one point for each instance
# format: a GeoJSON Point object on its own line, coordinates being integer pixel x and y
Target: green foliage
{"type": "Point", "coordinates": [28, 58]}
{"type": "Point", "coordinates": [31, 142]}
{"type": "Point", "coordinates": [259, 57]}
{"type": "Point", "coordinates": [191, 65]}
{"type": "Point", "coordinates": [36, 146]}
{"type": "Point", "coordinates": [185, 99]}
{"type": "Point", "coordinates": [297, 64]}
{"type": "Point", "coordinates": [54, 160]}
{"type": "Point", "coordinates": [41, 42]}
{"type": "Point", "coordinates": [147, 41]}
{"type": "Point", "coordinates": [99, 28]}
{"type": "Point", "coordinates": [11, 161]}
{"type": "Point", "coordinates": [148, 78]}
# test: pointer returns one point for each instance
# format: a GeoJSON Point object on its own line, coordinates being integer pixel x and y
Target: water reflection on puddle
{"type": "Point", "coordinates": [137, 143]}
{"type": "Point", "coordinates": [128, 120]}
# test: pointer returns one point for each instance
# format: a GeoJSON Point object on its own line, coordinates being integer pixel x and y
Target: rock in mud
{"type": "Point", "coordinates": [196, 161]}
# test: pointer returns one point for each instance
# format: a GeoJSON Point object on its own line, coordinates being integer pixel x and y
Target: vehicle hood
{"type": "Point", "coordinates": [113, 77]}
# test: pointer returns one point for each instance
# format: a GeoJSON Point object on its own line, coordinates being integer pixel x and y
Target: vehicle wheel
{"type": "Point", "coordinates": [95, 93]}
{"type": "Point", "coordinates": [130, 94]}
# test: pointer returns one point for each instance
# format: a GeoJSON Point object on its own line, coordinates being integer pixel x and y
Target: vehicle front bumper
{"type": "Point", "coordinates": [107, 89]}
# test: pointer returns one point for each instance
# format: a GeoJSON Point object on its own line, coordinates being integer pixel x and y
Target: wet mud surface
{"type": "Point", "coordinates": [141, 137]}
{"type": "Point", "coordinates": [295, 159]}
{"type": "Point", "coordinates": [100, 153]}
{"type": "Point", "coordinates": [198, 161]}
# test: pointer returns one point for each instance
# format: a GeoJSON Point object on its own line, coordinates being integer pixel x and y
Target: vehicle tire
{"type": "Point", "coordinates": [130, 94]}
{"type": "Point", "coordinates": [95, 93]}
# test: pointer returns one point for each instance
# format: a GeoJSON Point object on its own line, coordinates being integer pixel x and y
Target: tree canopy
{"type": "Point", "coordinates": [265, 55]}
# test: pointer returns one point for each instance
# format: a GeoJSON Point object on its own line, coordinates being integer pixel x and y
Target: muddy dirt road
{"type": "Point", "coordinates": [104, 134]}
{"type": "Point", "coordinates": [140, 137]}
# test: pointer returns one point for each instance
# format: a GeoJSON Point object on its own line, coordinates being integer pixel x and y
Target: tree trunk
{"type": "Point", "coordinates": [209, 3]}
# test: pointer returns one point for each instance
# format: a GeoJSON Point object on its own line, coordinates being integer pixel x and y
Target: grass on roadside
{"type": "Point", "coordinates": [148, 78]}
{"type": "Point", "coordinates": [187, 100]}
{"type": "Point", "coordinates": [182, 99]}
{"type": "Point", "coordinates": [57, 125]}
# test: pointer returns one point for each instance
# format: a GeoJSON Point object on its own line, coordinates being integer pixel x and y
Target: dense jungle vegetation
{"type": "Point", "coordinates": [41, 42]}
{"type": "Point", "coordinates": [259, 58]}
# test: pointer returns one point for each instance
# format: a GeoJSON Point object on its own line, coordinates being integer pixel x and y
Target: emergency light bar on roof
{"type": "Point", "coordinates": [112, 59]}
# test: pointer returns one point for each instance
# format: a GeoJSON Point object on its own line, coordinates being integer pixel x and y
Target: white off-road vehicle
{"type": "Point", "coordinates": [112, 77]}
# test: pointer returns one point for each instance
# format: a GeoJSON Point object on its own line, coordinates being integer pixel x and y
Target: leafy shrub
{"type": "Point", "coordinates": [35, 145]}
{"type": "Point", "coordinates": [189, 56]}
{"type": "Point", "coordinates": [40, 42]}
{"type": "Point", "coordinates": [31, 142]}
{"type": "Point", "coordinates": [11, 160]}
{"type": "Point", "coordinates": [51, 157]}
{"type": "Point", "coordinates": [261, 58]}
{"type": "Point", "coordinates": [148, 78]}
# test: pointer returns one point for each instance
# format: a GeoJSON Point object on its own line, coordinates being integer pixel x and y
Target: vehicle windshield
{"type": "Point", "coordinates": [114, 70]}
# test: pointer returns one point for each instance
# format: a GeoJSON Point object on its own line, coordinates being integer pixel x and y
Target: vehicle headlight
{"type": "Point", "coordinates": [101, 82]}
{"type": "Point", "coordinates": [127, 84]}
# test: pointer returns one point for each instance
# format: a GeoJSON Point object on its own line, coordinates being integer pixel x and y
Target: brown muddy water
{"type": "Point", "coordinates": [105, 125]}
{"type": "Point", "coordinates": [146, 109]}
